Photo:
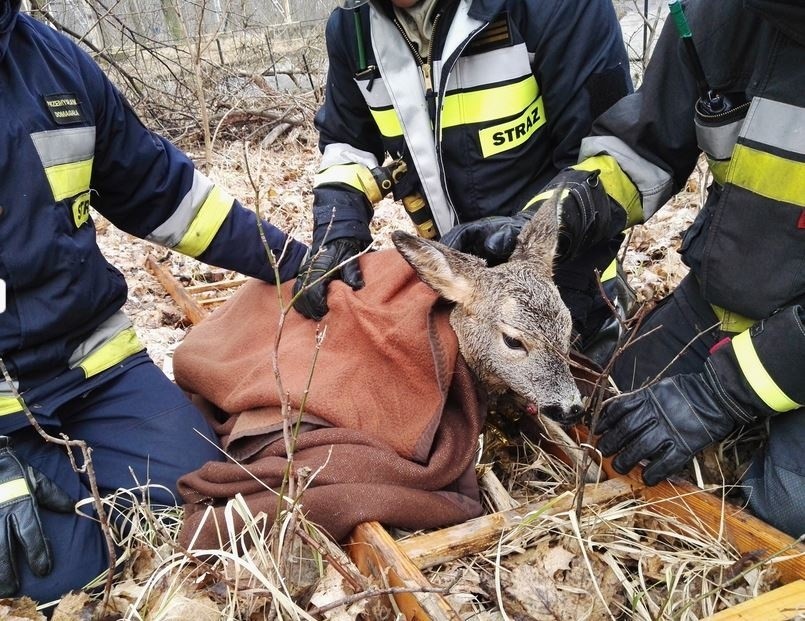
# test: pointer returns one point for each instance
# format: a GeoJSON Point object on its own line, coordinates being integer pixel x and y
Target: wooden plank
{"type": "Point", "coordinates": [192, 309]}
{"type": "Point", "coordinates": [376, 553]}
{"type": "Point", "coordinates": [782, 604]}
{"type": "Point", "coordinates": [479, 534]}
{"type": "Point", "coordinates": [707, 512]}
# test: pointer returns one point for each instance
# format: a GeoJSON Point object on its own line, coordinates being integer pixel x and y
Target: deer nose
{"type": "Point", "coordinates": [562, 415]}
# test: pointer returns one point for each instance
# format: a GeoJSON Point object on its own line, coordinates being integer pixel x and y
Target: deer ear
{"type": "Point", "coordinates": [450, 273]}
{"type": "Point", "coordinates": [539, 238]}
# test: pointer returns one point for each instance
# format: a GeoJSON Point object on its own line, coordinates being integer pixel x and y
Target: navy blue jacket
{"type": "Point", "coordinates": [68, 141]}
{"type": "Point", "coordinates": [484, 119]}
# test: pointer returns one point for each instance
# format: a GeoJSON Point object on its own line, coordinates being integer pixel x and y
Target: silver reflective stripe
{"type": "Point", "coordinates": [776, 124]}
{"type": "Point", "coordinates": [503, 65]}
{"type": "Point", "coordinates": [339, 153]}
{"type": "Point", "coordinates": [378, 97]}
{"type": "Point", "coordinates": [461, 27]}
{"type": "Point", "coordinates": [407, 93]}
{"type": "Point", "coordinates": [654, 184]}
{"type": "Point", "coordinates": [718, 142]}
{"type": "Point", "coordinates": [102, 335]}
{"type": "Point", "coordinates": [171, 232]}
{"type": "Point", "coordinates": [64, 146]}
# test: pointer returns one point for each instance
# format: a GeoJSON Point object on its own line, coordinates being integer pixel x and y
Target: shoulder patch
{"type": "Point", "coordinates": [496, 35]}
{"type": "Point", "coordinates": [64, 108]}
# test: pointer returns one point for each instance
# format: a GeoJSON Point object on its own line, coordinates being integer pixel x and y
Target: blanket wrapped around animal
{"type": "Point", "coordinates": [390, 421]}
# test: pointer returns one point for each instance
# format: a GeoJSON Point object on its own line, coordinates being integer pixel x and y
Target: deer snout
{"type": "Point", "coordinates": [564, 415]}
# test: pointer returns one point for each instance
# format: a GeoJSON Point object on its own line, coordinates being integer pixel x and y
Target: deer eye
{"type": "Point", "coordinates": [513, 343]}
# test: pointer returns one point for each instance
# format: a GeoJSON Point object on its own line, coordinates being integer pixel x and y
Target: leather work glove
{"type": "Point", "coordinates": [666, 423]}
{"type": "Point", "coordinates": [319, 270]}
{"type": "Point", "coordinates": [340, 232]}
{"type": "Point", "coordinates": [23, 490]}
{"type": "Point", "coordinates": [757, 373]}
{"type": "Point", "coordinates": [585, 211]}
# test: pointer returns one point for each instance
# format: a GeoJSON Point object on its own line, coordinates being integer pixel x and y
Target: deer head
{"type": "Point", "coordinates": [513, 328]}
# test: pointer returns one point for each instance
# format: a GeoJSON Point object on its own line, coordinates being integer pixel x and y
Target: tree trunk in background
{"type": "Point", "coordinates": [172, 19]}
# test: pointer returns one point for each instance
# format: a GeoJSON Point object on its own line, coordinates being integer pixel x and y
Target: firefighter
{"type": "Point", "coordinates": [71, 142]}
{"type": "Point", "coordinates": [729, 344]}
{"type": "Point", "coordinates": [484, 101]}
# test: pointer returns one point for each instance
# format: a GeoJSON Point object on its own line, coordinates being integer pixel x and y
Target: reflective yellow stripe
{"type": "Point", "coordinates": [769, 175]}
{"type": "Point", "coordinates": [719, 169]}
{"type": "Point", "coordinates": [11, 490]}
{"type": "Point", "coordinates": [511, 134]}
{"type": "Point", "coordinates": [115, 350]}
{"type": "Point", "coordinates": [10, 405]}
{"type": "Point", "coordinates": [205, 225]}
{"type": "Point", "coordinates": [354, 175]}
{"type": "Point", "coordinates": [611, 271]}
{"type": "Point", "coordinates": [757, 376]}
{"type": "Point", "coordinates": [489, 104]}
{"type": "Point", "coordinates": [69, 179]}
{"type": "Point", "coordinates": [543, 196]}
{"type": "Point", "coordinates": [617, 185]}
{"type": "Point", "coordinates": [387, 122]}
{"type": "Point", "coordinates": [732, 322]}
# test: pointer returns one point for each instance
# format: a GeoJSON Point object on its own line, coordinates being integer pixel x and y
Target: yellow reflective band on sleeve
{"type": "Point", "coordinates": [354, 175]}
{"type": "Point", "coordinates": [491, 104]}
{"type": "Point", "coordinates": [544, 196]}
{"type": "Point", "coordinates": [205, 225]}
{"type": "Point", "coordinates": [719, 169]}
{"type": "Point", "coordinates": [69, 179]}
{"type": "Point", "coordinates": [617, 185]}
{"type": "Point", "coordinates": [11, 490]}
{"type": "Point", "coordinates": [10, 405]}
{"type": "Point", "coordinates": [387, 122]}
{"type": "Point", "coordinates": [732, 322]}
{"type": "Point", "coordinates": [769, 175]}
{"type": "Point", "coordinates": [512, 134]}
{"type": "Point", "coordinates": [611, 271]}
{"type": "Point", "coordinates": [759, 379]}
{"type": "Point", "coordinates": [114, 351]}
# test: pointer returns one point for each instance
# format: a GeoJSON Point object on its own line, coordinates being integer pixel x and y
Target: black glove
{"type": "Point", "coordinates": [23, 489]}
{"type": "Point", "coordinates": [755, 374]}
{"type": "Point", "coordinates": [585, 212]}
{"type": "Point", "coordinates": [667, 423]}
{"type": "Point", "coordinates": [319, 271]}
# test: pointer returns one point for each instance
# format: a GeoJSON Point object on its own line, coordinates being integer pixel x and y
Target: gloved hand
{"type": "Point", "coordinates": [586, 218]}
{"type": "Point", "coordinates": [312, 298]}
{"type": "Point", "coordinates": [23, 490]}
{"type": "Point", "coordinates": [756, 373]}
{"type": "Point", "coordinates": [667, 423]}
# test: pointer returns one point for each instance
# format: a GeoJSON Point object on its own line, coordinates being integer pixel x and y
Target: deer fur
{"type": "Point", "coordinates": [513, 328]}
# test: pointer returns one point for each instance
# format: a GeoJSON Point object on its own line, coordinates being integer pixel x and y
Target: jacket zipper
{"type": "Point", "coordinates": [425, 67]}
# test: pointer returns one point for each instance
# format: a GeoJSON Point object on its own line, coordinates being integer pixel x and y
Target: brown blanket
{"type": "Point", "coordinates": [391, 419]}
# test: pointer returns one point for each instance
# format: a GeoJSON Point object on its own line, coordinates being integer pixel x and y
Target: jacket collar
{"type": "Point", "coordinates": [486, 10]}
{"type": "Point", "coordinates": [788, 16]}
{"type": "Point", "coordinates": [8, 17]}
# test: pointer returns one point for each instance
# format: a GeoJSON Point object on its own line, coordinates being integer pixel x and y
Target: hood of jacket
{"type": "Point", "coordinates": [787, 15]}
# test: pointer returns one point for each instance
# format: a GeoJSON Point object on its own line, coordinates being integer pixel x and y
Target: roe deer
{"type": "Point", "coordinates": [513, 328]}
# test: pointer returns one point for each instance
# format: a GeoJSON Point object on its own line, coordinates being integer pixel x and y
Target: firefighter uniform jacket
{"type": "Point", "coordinates": [485, 117]}
{"type": "Point", "coordinates": [746, 247]}
{"type": "Point", "coordinates": [70, 141]}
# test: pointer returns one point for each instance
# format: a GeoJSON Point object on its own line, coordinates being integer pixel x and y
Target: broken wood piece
{"type": "Point", "coordinates": [192, 309]}
{"type": "Point", "coordinates": [707, 512]}
{"type": "Point", "coordinates": [215, 286]}
{"type": "Point", "coordinates": [482, 533]}
{"type": "Point", "coordinates": [787, 602]}
{"type": "Point", "coordinates": [376, 553]}
{"type": "Point", "coordinates": [499, 498]}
